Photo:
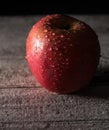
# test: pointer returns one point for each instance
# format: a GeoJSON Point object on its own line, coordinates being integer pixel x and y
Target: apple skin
{"type": "Point", "coordinates": [63, 53]}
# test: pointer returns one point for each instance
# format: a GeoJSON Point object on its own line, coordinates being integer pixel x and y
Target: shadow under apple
{"type": "Point", "coordinates": [99, 86]}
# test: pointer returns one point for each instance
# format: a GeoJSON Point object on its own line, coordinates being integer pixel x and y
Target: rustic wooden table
{"type": "Point", "coordinates": [25, 105]}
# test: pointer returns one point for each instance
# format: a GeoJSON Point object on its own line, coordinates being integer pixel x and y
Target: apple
{"type": "Point", "coordinates": [62, 52]}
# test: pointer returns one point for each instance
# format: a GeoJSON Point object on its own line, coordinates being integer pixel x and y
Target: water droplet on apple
{"type": "Point", "coordinates": [50, 58]}
{"type": "Point", "coordinates": [54, 70]}
{"type": "Point", "coordinates": [52, 66]}
{"type": "Point", "coordinates": [45, 30]}
{"type": "Point", "coordinates": [54, 83]}
{"type": "Point", "coordinates": [53, 34]}
{"type": "Point", "coordinates": [48, 39]}
{"type": "Point", "coordinates": [33, 26]}
{"type": "Point", "coordinates": [55, 76]}
{"type": "Point", "coordinates": [63, 63]}
{"type": "Point", "coordinates": [60, 54]}
{"type": "Point", "coordinates": [45, 53]}
{"type": "Point", "coordinates": [74, 31]}
{"type": "Point", "coordinates": [56, 48]}
{"type": "Point", "coordinates": [38, 36]}
{"type": "Point", "coordinates": [62, 36]}
{"type": "Point", "coordinates": [67, 59]}
{"type": "Point", "coordinates": [46, 36]}
{"type": "Point", "coordinates": [67, 63]}
{"type": "Point", "coordinates": [50, 49]}
{"type": "Point", "coordinates": [60, 74]}
{"type": "Point", "coordinates": [64, 47]}
{"type": "Point", "coordinates": [71, 45]}
{"type": "Point", "coordinates": [42, 70]}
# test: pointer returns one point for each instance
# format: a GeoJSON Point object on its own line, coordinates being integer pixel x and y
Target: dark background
{"type": "Point", "coordinates": [30, 7]}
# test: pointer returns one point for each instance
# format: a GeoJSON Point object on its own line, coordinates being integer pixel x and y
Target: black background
{"type": "Point", "coordinates": [30, 7]}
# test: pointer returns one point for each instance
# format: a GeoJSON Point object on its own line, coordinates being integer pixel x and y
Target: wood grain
{"type": "Point", "coordinates": [37, 107]}
{"type": "Point", "coordinates": [37, 104]}
{"type": "Point", "coordinates": [15, 72]}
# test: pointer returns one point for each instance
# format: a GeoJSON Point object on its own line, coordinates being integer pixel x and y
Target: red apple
{"type": "Point", "coordinates": [63, 53]}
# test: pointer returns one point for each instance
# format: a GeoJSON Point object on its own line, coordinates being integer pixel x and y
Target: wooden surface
{"type": "Point", "coordinates": [25, 105]}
